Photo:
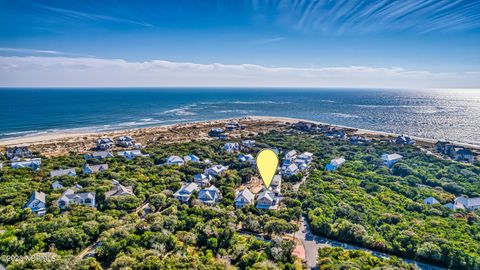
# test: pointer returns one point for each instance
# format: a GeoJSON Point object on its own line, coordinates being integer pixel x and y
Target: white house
{"type": "Point", "coordinates": [125, 141]}
{"type": "Point", "coordinates": [306, 157]}
{"type": "Point", "coordinates": [70, 197]}
{"type": "Point", "coordinates": [267, 200]}
{"type": "Point", "coordinates": [244, 197]}
{"type": "Point", "coordinates": [248, 143]}
{"type": "Point", "coordinates": [290, 156]}
{"type": "Point", "coordinates": [33, 164]}
{"type": "Point", "coordinates": [185, 192]}
{"type": "Point", "coordinates": [231, 147]}
{"type": "Point", "coordinates": [98, 155]}
{"type": "Point", "coordinates": [104, 143]}
{"type": "Point", "coordinates": [276, 184]}
{"type": "Point", "coordinates": [210, 195]}
{"type": "Point", "coordinates": [469, 203]}
{"type": "Point", "coordinates": [202, 179]}
{"type": "Point", "coordinates": [191, 158]}
{"type": "Point", "coordinates": [57, 185]}
{"type": "Point", "coordinates": [131, 154]}
{"type": "Point", "coordinates": [119, 190]}
{"type": "Point", "coordinates": [246, 158]}
{"type": "Point", "coordinates": [63, 172]}
{"type": "Point", "coordinates": [89, 169]}
{"type": "Point", "coordinates": [390, 159]}
{"type": "Point", "coordinates": [454, 206]}
{"type": "Point", "coordinates": [335, 164]}
{"type": "Point", "coordinates": [37, 203]}
{"type": "Point", "coordinates": [175, 160]}
{"type": "Point", "coordinates": [290, 170]}
{"type": "Point", "coordinates": [216, 170]}
{"type": "Point", "coordinates": [430, 201]}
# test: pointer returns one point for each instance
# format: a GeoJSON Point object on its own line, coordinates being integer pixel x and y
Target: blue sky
{"type": "Point", "coordinates": [435, 37]}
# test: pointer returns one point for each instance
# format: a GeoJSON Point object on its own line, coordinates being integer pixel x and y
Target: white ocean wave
{"type": "Point", "coordinates": [345, 115]}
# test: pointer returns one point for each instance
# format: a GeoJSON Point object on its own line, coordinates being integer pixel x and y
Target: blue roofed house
{"type": "Point", "coordinates": [246, 158]}
{"type": "Point", "coordinates": [243, 198]}
{"type": "Point", "coordinates": [210, 195]}
{"type": "Point", "coordinates": [69, 196]}
{"type": "Point", "coordinates": [33, 164]}
{"type": "Point", "coordinates": [231, 147]}
{"type": "Point", "coordinates": [431, 201]}
{"type": "Point", "coordinates": [89, 168]}
{"type": "Point", "coordinates": [202, 179]}
{"type": "Point", "coordinates": [57, 185]}
{"type": "Point", "coordinates": [390, 159]}
{"type": "Point", "coordinates": [185, 192]}
{"type": "Point", "coordinates": [290, 170]}
{"type": "Point", "coordinates": [18, 152]}
{"type": "Point", "coordinates": [125, 141]}
{"type": "Point", "coordinates": [104, 143]}
{"type": "Point", "coordinates": [468, 203]}
{"type": "Point", "coordinates": [63, 172]}
{"type": "Point", "coordinates": [191, 158]}
{"type": "Point", "coordinates": [175, 160]}
{"type": "Point", "coordinates": [335, 164]}
{"type": "Point", "coordinates": [37, 203]}
{"type": "Point", "coordinates": [248, 144]}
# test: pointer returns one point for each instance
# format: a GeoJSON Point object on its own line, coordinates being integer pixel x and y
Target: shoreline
{"type": "Point", "coordinates": [56, 138]}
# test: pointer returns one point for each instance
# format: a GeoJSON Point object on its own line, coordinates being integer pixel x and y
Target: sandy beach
{"type": "Point", "coordinates": [63, 142]}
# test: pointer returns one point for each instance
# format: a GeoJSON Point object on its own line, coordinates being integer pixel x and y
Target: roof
{"type": "Point", "coordinates": [290, 153]}
{"type": "Point", "coordinates": [62, 172]}
{"type": "Point", "coordinates": [174, 159]}
{"type": "Point", "coordinates": [431, 200]}
{"type": "Point", "coordinates": [36, 195]}
{"type": "Point", "coordinates": [130, 153]}
{"type": "Point", "coordinates": [292, 167]}
{"type": "Point", "coordinates": [246, 193]}
{"type": "Point", "coordinates": [266, 194]}
{"type": "Point", "coordinates": [337, 161]}
{"type": "Point", "coordinates": [208, 194]}
{"type": "Point", "coordinates": [95, 168]}
{"type": "Point", "coordinates": [190, 187]}
{"type": "Point", "coordinates": [277, 179]}
{"type": "Point", "coordinates": [119, 190]}
{"type": "Point", "coordinates": [389, 157]}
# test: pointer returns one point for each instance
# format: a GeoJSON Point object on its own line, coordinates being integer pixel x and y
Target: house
{"type": "Point", "coordinates": [244, 197]}
{"type": "Point", "coordinates": [191, 158]}
{"type": "Point", "coordinates": [185, 192]}
{"type": "Point", "coordinates": [131, 154]}
{"type": "Point", "coordinates": [175, 160]}
{"type": "Point", "coordinates": [210, 195]}
{"type": "Point", "coordinates": [305, 157]}
{"type": "Point", "coordinates": [202, 180]}
{"type": "Point", "coordinates": [63, 172]}
{"type": "Point", "coordinates": [18, 152]}
{"type": "Point", "coordinates": [215, 132]}
{"type": "Point", "coordinates": [125, 141]}
{"type": "Point", "coordinates": [276, 184]}
{"type": "Point", "coordinates": [335, 164]}
{"type": "Point", "coordinates": [404, 140]}
{"type": "Point", "coordinates": [104, 143]}
{"type": "Point", "coordinates": [430, 201]}
{"type": "Point", "coordinates": [337, 134]}
{"type": "Point", "coordinates": [248, 143]}
{"type": "Point", "coordinates": [98, 155]}
{"type": "Point", "coordinates": [89, 169]}
{"type": "Point", "coordinates": [468, 203]}
{"type": "Point", "coordinates": [267, 200]}
{"type": "Point", "coordinates": [57, 185]}
{"type": "Point", "coordinates": [37, 203]}
{"type": "Point", "coordinates": [246, 158]}
{"type": "Point", "coordinates": [119, 190]}
{"type": "Point", "coordinates": [290, 155]}
{"type": "Point", "coordinates": [216, 170]}
{"type": "Point", "coordinates": [390, 159]}
{"type": "Point", "coordinates": [290, 170]}
{"type": "Point", "coordinates": [305, 126]}
{"type": "Point", "coordinates": [233, 126]}
{"type": "Point", "coordinates": [454, 206]}
{"type": "Point", "coordinates": [33, 164]}
{"type": "Point", "coordinates": [358, 140]}
{"type": "Point", "coordinates": [231, 147]}
{"type": "Point", "coordinates": [464, 155]}
{"type": "Point", "coordinates": [70, 197]}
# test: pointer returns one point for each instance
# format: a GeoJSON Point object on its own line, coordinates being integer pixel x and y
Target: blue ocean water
{"type": "Point", "coordinates": [438, 114]}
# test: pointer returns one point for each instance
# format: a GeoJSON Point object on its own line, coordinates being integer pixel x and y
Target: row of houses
{"type": "Point", "coordinates": [459, 203]}
{"type": "Point", "coordinates": [293, 163]}
{"type": "Point", "coordinates": [37, 200]}
{"type": "Point", "coordinates": [122, 141]}
{"type": "Point", "coordinates": [458, 153]}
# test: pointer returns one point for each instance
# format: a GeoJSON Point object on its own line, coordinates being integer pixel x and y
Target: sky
{"type": "Point", "coordinates": [381, 44]}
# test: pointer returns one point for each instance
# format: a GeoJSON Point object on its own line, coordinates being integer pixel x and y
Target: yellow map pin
{"type": "Point", "coordinates": [267, 162]}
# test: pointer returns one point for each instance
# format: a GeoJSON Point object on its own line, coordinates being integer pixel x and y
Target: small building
{"type": "Point", "coordinates": [89, 169]}
{"type": "Point", "coordinates": [63, 172]}
{"type": "Point", "coordinates": [243, 198]}
{"type": "Point", "coordinates": [454, 206]}
{"type": "Point", "coordinates": [18, 152]}
{"type": "Point", "coordinates": [210, 195]}
{"type": "Point", "coordinates": [276, 184]}
{"type": "Point", "coordinates": [125, 141]}
{"type": "Point", "coordinates": [119, 190]}
{"type": "Point", "coordinates": [37, 203]}
{"type": "Point", "coordinates": [267, 200]}
{"type": "Point", "coordinates": [464, 155]}
{"type": "Point", "coordinates": [431, 201]}
{"type": "Point", "coordinates": [216, 170]}
{"type": "Point", "coordinates": [104, 143]}
{"type": "Point", "coordinates": [233, 126]}
{"type": "Point", "coordinates": [191, 158]}
{"type": "Point", "coordinates": [290, 155]}
{"type": "Point", "coordinates": [335, 164]}
{"type": "Point", "coordinates": [305, 157]}
{"type": "Point", "coordinates": [98, 155]}
{"type": "Point", "coordinates": [70, 197]}
{"type": "Point", "coordinates": [248, 144]}
{"type": "Point", "coordinates": [290, 170]}
{"type": "Point", "coordinates": [390, 159]}
{"type": "Point", "coordinates": [57, 185]}
{"type": "Point", "coordinates": [246, 158]}
{"type": "Point", "coordinates": [215, 132]}
{"type": "Point", "coordinates": [231, 147]}
{"type": "Point", "coordinates": [131, 154]}
{"type": "Point", "coordinates": [175, 160]}
{"type": "Point", "coordinates": [404, 140]}
{"type": "Point", "coordinates": [468, 203]}
{"type": "Point", "coordinates": [33, 164]}
{"type": "Point", "coordinates": [358, 140]}
{"type": "Point", "coordinates": [185, 192]}
{"type": "Point", "coordinates": [202, 180]}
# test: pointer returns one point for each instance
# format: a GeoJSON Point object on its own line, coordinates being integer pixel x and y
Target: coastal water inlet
{"type": "Point", "coordinates": [267, 163]}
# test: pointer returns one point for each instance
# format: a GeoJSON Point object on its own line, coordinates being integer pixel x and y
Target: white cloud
{"type": "Point", "coordinates": [38, 71]}
{"type": "Point", "coordinates": [28, 51]}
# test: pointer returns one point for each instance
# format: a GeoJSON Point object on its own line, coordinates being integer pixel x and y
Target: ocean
{"type": "Point", "coordinates": [437, 114]}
